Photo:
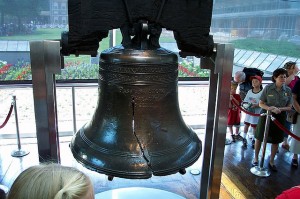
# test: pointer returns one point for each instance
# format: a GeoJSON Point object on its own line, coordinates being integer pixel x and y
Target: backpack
{"type": "Point", "coordinates": [251, 72]}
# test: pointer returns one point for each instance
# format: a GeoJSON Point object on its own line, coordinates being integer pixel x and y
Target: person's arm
{"type": "Point", "coordinates": [237, 101]}
{"type": "Point", "coordinates": [295, 90]}
{"type": "Point", "coordinates": [273, 109]}
{"type": "Point", "coordinates": [289, 79]}
{"type": "Point", "coordinates": [295, 103]}
{"type": "Point", "coordinates": [263, 105]}
{"type": "Point", "coordinates": [289, 105]}
{"type": "Point", "coordinates": [292, 76]}
{"type": "Point", "coordinates": [286, 108]}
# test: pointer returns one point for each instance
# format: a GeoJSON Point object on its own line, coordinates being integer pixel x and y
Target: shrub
{"type": "Point", "coordinates": [83, 70]}
{"type": "Point", "coordinates": [78, 70]}
{"type": "Point", "coordinates": [186, 68]}
{"type": "Point", "coordinates": [19, 71]}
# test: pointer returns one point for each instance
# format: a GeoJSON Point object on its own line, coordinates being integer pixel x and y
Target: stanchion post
{"type": "Point", "coordinates": [74, 110]}
{"type": "Point", "coordinates": [260, 170]}
{"type": "Point", "coordinates": [19, 152]}
{"type": "Point", "coordinates": [266, 134]}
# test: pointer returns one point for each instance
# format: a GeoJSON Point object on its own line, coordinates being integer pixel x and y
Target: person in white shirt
{"type": "Point", "coordinates": [252, 101]}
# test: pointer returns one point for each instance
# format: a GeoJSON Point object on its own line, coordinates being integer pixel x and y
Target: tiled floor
{"type": "Point", "coordinates": [237, 180]}
{"type": "Point", "coordinates": [185, 185]}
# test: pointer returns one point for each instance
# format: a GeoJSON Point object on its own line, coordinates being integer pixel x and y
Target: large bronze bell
{"type": "Point", "coordinates": [137, 129]}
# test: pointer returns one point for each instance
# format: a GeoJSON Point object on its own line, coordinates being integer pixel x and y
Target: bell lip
{"type": "Point", "coordinates": [144, 173]}
{"type": "Point", "coordinates": [134, 175]}
{"type": "Point", "coordinates": [110, 172]}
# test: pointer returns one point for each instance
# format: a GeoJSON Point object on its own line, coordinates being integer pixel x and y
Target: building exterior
{"type": "Point", "coordinates": [277, 20]}
{"type": "Point", "coordinates": [59, 12]}
{"type": "Point", "coordinates": [267, 19]}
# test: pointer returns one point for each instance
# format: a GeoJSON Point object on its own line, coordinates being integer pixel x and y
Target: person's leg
{"type": "Point", "coordinates": [253, 139]}
{"type": "Point", "coordinates": [274, 148]}
{"type": "Point", "coordinates": [230, 129]}
{"type": "Point", "coordinates": [285, 144]}
{"type": "Point", "coordinates": [295, 156]}
{"type": "Point", "coordinates": [246, 128]}
{"type": "Point", "coordinates": [237, 129]}
{"type": "Point", "coordinates": [257, 149]}
{"type": "Point", "coordinates": [231, 132]}
{"type": "Point", "coordinates": [295, 161]}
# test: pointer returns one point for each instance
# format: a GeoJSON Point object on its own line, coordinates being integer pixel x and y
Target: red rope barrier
{"type": "Point", "coordinates": [7, 117]}
{"type": "Point", "coordinates": [273, 119]}
{"type": "Point", "coordinates": [248, 112]}
{"type": "Point", "coordinates": [284, 129]}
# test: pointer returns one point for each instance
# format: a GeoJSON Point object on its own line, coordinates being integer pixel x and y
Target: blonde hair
{"type": "Point", "coordinates": [51, 181]}
{"type": "Point", "coordinates": [234, 84]}
{"type": "Point", "coordinates": [289, 65]}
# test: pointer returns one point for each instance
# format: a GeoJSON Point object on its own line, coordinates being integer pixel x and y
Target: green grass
{"type": "Point", "coordinates": [73, 58]}
{"type": "Point", "coordinates": [40, 34]}
{"type": "Point", "coordinates": [48, 34]}
{"type": "Point", "coordinates": [269, 46]}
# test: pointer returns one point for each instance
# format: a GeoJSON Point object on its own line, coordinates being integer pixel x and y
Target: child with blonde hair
{"type": "Point", "coordinates": [234, 114]}
{"type": "Point", "coordinates": [51, 181]}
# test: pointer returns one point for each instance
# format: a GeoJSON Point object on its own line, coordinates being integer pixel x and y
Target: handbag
{"type": "Point", "coordinates": [291, 116]}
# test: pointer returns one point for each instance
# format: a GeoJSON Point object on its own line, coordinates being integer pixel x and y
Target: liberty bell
{"type": "Point", "coordinates": [137, 129]}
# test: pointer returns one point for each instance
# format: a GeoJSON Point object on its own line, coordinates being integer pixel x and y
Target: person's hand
{"type": "Point", "coordinates": [271, 108]}
{"type": "Point", "coordinates": [231, 97]}
{"type": "Point", "coordinates": [274, 109]}
{"type": "Point", "coordinates": [254, 105]}
{"type": "Point", "coordinates": [277, 111]}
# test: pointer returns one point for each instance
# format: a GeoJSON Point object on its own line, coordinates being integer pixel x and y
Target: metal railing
{"type": "Point", "coordinates": [77, 101]}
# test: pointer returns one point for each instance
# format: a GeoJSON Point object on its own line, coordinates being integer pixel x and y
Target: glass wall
{"type": "Point", "coordinates": [271, 27]}
{"type": "Point", "coordinates": [265, 33]}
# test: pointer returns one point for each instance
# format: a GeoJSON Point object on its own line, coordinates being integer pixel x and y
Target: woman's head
{"type": "Point", "coordinates": [291, 68]}
{"type": "Point", "coordinates": [279, 75]}
{"type": "Point", "coordinates": [51, 181]}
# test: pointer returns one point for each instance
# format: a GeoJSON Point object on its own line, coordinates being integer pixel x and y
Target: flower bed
{"type": "Point", "coordinates": [81, 69]}
{"type": "Point", "coordinates": [186, 68]}
{"type": "Point", "coordinates": [19, 71]}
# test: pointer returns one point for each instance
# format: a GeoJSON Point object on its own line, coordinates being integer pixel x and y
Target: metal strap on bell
{"type": "Point", "coordinates": [137, 129]}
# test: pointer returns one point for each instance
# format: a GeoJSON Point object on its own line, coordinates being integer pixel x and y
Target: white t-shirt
{"type": "Point", "coordinates": [253, 98]}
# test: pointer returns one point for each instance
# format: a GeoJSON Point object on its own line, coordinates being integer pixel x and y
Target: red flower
{"type": "Point", "coordinates": [19, 77]}
{"type": "Point", "coordinates": [186, 71]}
{"type": "Point", "coordinates": [5, 68]}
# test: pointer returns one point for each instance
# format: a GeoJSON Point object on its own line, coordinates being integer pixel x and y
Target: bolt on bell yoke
{"type": "Point", "coordinates": [137, 129]}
